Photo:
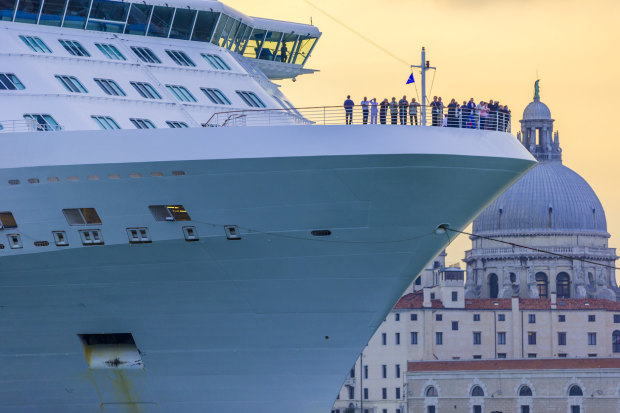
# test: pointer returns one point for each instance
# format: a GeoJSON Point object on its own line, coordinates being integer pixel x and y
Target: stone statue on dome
{"type": "Point", "coordinates": [537, 89]}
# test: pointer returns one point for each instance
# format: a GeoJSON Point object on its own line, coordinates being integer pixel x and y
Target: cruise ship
{"type": "Point", "coordinates": [177, 236]}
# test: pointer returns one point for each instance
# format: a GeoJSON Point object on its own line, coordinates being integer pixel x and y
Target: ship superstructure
{"type": "Point", "coordinates": [150, 264]}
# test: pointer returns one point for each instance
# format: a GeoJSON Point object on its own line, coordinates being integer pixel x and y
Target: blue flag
{"type": "Point", "coordinates": [410, 80]}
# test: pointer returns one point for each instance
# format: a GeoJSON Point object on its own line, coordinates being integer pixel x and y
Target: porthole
{"type": "Point", "coordinates": [135, 175]}
{"type": "Point", "coordinates": [178, 173]}
{"type": "Point", "coordinates": [73, 178]}
{"type": "Point", "coordinates": [13, 181]}
{"type": "Point", "coordinates": [53, 179]}
{"type": "Point", "coordinates": [93, 177]}
{"type": "Point", "coordinates": [114, 176]}
{"type": "Point", "coordinates": [33, 180]}
{"type": "Point", "coordinates": [157, 174]}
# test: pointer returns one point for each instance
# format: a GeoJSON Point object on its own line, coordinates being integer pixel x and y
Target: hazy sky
{"type": "Point", "coordinates": [486, 49]}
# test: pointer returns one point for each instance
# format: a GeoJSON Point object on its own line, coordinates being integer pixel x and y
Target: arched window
{"type": "Point", "coordinates": [493, 286]}
{"type": "Point", "coordinates": [431, 392]}
{"type": "Point", "coordinates": [542, 284]}
{"type": "Point", "coordinates": [525, 391]}
{"type": "Point", "coordinates": [615, 341]}
{"type": "Point", "coordinates": [477, 392]}
{"type": "Point", "coordinates": [562, 285]}
{"type": "Point", "coordinates": [575, 391]}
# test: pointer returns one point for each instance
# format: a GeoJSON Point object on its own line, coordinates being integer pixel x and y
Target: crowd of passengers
{"type": "Point", "coordinates": [484, 115]}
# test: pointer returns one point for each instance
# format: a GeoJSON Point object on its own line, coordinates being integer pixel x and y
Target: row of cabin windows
{"type": "Point", "coordinates": [9, 81]}
{"type": "Point", "coordinates": [111, 52]}
{"type": "Point", "coordinates": [45, 122]}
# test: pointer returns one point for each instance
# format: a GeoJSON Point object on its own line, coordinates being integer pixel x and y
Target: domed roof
{"type": "Point", "coordinates": [549, 198]}
{"type": "Point", "coordinates": [536, 110]}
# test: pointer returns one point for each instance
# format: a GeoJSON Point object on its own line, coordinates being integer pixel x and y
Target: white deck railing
{"type": "Point", "coordinates": [26, 125]}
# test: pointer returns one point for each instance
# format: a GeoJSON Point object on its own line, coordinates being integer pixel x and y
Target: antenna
{"type": "Point", "coordinates": [424, 66]}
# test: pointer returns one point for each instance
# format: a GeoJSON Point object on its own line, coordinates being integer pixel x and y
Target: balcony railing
{"type": "Point", "coordinates": [26, 125]}
{"type": "Point", "coordinates": [337, 115]}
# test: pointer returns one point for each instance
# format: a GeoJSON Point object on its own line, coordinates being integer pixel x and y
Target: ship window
{"type": "Point", "coordinates": [271, 45]}
{"type": "Point", "coordinates": [142, 123]}
{"type": "Point", "coordinates": [176, 124]}
{"type": "Point", "coordinates": [146, 90]}
{"type": "Point", "coordinates": [145, 54]}
{"type": "Point", "coordinates": [251, 99]}
{"type": "Point", "coordinates": [82, 216]}
{"type": "Point", "coordinates": [205, 23]}
{"type": "Point", "coordinates": [303, 49]}
{"type": "Point", "coordinates": [139, 16]}
{"type": "Point", "coordinates": [169, 213]}
{"type": "Point", "coordinates": [43, 122]}
{"type": "Point", "coordinates": [35, 44]}
{"type": "Point", "coordinates": [110, 51]}
{"type": "Point", "coordinates": [74, 48]}
{"type": "Point", "coordinates": [257, 38]}
{"type": "Point", "coordinates": [157, 174]}
{"type": "Point", "coordinates": [27, 11]}
{"type": "Point", "coordinates": [7, 220]}
{"type": "Point", "coordinates": [77, 11]}
{"type": "Point", "coordinates": [139, 235]}
{"type": "Point", "coordinates": [110, 87]}
{"type": "Point", "coordinates": [8, 81]}
{"type": "Point", "coordinates": [190, 234]}
{"type": "Point", "coordinates": [182, 25]}
{"type": "Point", "coordinates": [216, 96]}
{"type": "Point", "coordinates": [111, 12]}
{"type": "Point", "coordinates": [216, 62]}
{"type": "Point", "coordinates": [71, 84]}
{"type": "Point", "coordinates": [105, 122]}
{"type": "Point", "coordinates": [160, 21]}
{"type": "Point", "coordinates": [7, 7]}
{"type": "Point", "coordinates": [52, 11]}
{"type": "Point", "coordinates": [15, 241]}
{"type": "Point", "coordinates": [181, 93]}
{"type": "Point", "coordinates": [289, 42]}
{"type": "Point", "coordinates": [180, 58]}
{"type": "Point", "coordinates": [60, 238]}
{"type": "Point", "coordinates": [91, 237]}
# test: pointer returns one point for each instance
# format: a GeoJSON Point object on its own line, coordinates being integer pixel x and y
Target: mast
{"type": "Point", "coordinates": [424, 66]}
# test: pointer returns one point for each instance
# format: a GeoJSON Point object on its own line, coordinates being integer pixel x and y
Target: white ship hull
{"type": "Point", "coordinates": [268, 323]}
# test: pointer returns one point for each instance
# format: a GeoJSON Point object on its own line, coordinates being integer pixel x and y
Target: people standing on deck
{"type": "Point", "coordinates": [435, 111]}
{"type": "Point", "coordinates": [452, 108]}
{"type": "Point", "coordinates": [471, 105]}
{"type": "Point", "coordinates": [493, 120]}
{"type": "Point", "coordinates": [384, 108]}
{"type": "Point", "coordinates": [403, 104]}
{"type": "Point", "coordinates": [441, 106]}
{"type": "Point", "coordinates": [464, 115]}
{"type": "Point", "coordinates": [506, 118]}
{"type": "Point", "coordinates": [413, 111]}
{"type": "Point", "coordinates": [348, 110]}
{"type": "Point", "coordinates": [365, 104]}
{"type": "Point", "coordinates": [483, 112]}
{"type": "Point", "coordinates": [394, 111]}
{"type": "Point", "coordinates": [373, 111]}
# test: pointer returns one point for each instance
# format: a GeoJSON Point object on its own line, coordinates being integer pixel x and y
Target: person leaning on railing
{"type": "Point", "coordinates": [365, 106]}
{"type": "Point", "coordinates": [403, 105]}
{"type": "Point", "coordinates": [394, 111]}
{"type": "Point", "coordinates": [383, 112]}
{"type": "Point", "coordinates": [373, 111]}
{"type": "Point", "coordinates": [413, 111]}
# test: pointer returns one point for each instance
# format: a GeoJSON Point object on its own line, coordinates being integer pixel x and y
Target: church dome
{"type": "Point", "coordinates": [536, 110]}
{"type": "Point", "coordinates": [550, 198]}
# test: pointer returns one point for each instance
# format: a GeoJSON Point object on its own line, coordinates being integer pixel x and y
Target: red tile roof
{"type": "Point", "coordinates": [521, 364]}
{"type": "Point", "coordinates": [415, 301]}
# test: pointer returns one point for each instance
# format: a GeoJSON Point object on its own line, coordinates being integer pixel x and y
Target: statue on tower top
{"type": "Point", "coordinates": [537, 89]}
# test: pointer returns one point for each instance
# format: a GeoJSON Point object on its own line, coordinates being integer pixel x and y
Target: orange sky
{"type": "Point", "coordinates": [486, 49]}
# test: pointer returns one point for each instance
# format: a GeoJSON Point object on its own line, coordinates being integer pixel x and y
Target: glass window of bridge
{"type": "Point", "coordinates": [52, 12]}
{"type": "Point", "coordinates": [255, 43]}
{"type": "Point", "coordinates": [7, 220]}
{"type": "Point", "coordinates": [303, 49]}
{"type": "Point", "coordinates": [251, 99]}
{"type": "Point", "coordinates": [74, 48]}
{"type": "Point", "coordinates": [174, 124]}
{"type": "Point", "coordinates": [563, 285]}
{"type": "Point", "coordinates": [216, 96]}
{"type": "Point", "coordinates": [216, 62]}
{"type": "Point", "coordinates": [77, 11]}
{"type": "Point", "coordinates": [35, 44]}
{"type": "Point", "coordinates": [71, 84]}
{"type": "Point", "coordinates": [82, 216]}
{"type": "Point", "coordinates": [182, 24]}
{"type": "Point", "coordinates": [180, 58]}
{"type": "Point", "coordinates": [542, 284]}
{"type": "Point", "coordinates": [105, 122]}
{"type": "Point", "coordinates": [110, 51]}
{"type": "Point", "coordinates": [145, 90]}
{"type": "Point", "coordinates": [205, 23]}
{"type": "Point", "coordinates": [169, 213]}
{"type": "Point", "coordinates": [42, 122]}
{"type": "Point", "coordinates": [161, 21]}
{"type": "Point", "coordinates": [108, 16]}
{"type": "Point", "coordinates": [145, 54]}
{"type": "Point", "coordinates": [8, 81]}
{"type": "Point", "coordinates": [271, 46]}
{"type": "Point", "coordinates": [110, 87]}
{"type": "Point", "coordinates": [221, 28]}
{"type": "Point", "coordinates": [227, 36]}
{"type": "Point", "coordinates": [142, 123]}
{"type": "Point", "coordinates": [289, 41]}
{"type": "Point", "coordinates": [7, 8]}
{"type": "Point", "coordinates": [138, 20]}
{"type": "Point", "coordinates": [181, 93]}
{"type": "Point", "coordinates": [241, 38]}
{"type": "Point", "coordinates": [27, 11]}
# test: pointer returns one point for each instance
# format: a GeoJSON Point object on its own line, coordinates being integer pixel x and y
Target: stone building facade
{"type": "Point", "coordinates": [515, 386]}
